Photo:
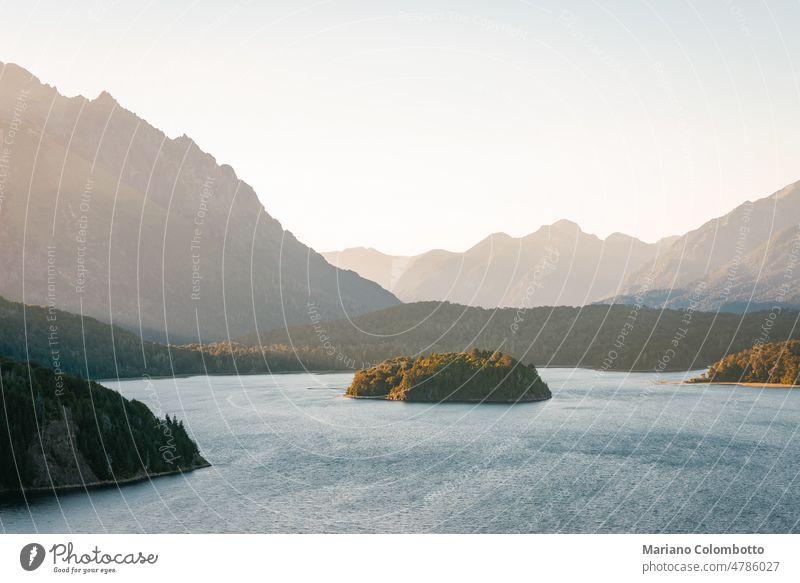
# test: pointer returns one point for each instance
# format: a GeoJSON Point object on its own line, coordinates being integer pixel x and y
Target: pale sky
{"type": "Point", "coordinates": [407, 126]}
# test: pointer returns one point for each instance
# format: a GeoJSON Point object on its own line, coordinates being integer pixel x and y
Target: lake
{"type": "Point", "coordinates": [610, 452]}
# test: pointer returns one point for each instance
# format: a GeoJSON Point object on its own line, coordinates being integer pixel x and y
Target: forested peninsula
{"type": "Point", "coordinates": [59, 431]}
{"type": "Point", "coordinates": [775, 363]}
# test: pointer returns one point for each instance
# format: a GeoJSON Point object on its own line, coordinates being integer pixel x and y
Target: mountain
{"type": "Point", "coordinates": [743, 261]}
{"type": "Point", "coordinates": [371, 264]}
{"type": "Point", "coordinates": [746, 259]}
{"type": "Point", "coordinates": [558, 264]}
{"type": "Point", "coordinates": [102, 214]}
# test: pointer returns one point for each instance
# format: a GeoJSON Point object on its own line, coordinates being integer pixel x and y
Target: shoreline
{"type": "Point", "coordinates": [354, 370]}
{"type": "Point", "coordinates": [100, 484]}
{"type": "Point", "coordinates": [189, 375]}
{"type": "Point", "coordinates": [738, 384]}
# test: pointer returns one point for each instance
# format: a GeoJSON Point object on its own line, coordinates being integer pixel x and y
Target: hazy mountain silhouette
{"type": "Point", "coordinates": [745, 259]}
{"type": "Point", "coordinates": [558, 264]}
{"type": "Point", "coordinates": [102, 213]}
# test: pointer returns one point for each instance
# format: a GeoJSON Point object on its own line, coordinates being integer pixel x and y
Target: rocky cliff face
{"type": "Point", "coordinates": [55, 459]}
{"type": "Point", "coordinates": [103, 214]}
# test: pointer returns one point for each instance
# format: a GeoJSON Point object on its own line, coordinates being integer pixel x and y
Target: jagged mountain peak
{"type": "Point", "coordinates": [105, 98]}
{"type": "Point", "coordinates": [566, 225]}
{"type": "Point", "coordinates": [13, 74]}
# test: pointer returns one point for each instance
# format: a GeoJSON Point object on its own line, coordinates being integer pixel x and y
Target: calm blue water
{"type": "Point", "coordinates": [611, 452]}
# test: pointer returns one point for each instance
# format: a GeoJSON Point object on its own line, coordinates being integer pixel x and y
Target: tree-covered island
{"type": "Point", "coordinates": [475, 377]}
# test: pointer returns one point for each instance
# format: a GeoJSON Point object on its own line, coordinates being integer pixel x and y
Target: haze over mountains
{"type": "Point", "coordinates": [743, 260]}
{"type": "Point", "coordinates": [102, 214]}
{"type": "Point", "coordinates": [558, 264]}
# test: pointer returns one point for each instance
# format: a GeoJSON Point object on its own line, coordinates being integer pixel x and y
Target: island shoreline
{"type": "Point", "coordinates": [448, 401]}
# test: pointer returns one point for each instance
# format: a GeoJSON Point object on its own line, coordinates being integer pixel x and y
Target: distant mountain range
{"type": "Point", "coordinates": [742, 261]}
{"type": "Point", "coordinates": [102, 214]}
{"type": "Point", "coordinates": [558, 264]}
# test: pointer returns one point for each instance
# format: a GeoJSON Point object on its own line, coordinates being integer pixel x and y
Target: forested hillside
{"type": "Point", "coordinates": [96, 350]}
{"type": "Point", "coordinates": [59, 430]}
{"type": "Point", "coordinates": [618, 337]}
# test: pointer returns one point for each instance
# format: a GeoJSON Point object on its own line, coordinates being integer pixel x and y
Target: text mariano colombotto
{"type": "Point", "coordinates": [702, 549]}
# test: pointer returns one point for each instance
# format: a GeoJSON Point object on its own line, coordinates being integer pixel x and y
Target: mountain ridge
{"type": "Point", "coordinates": [746, 256]}
{"type": "Point", "coordinates": [104, 214]}
{"type": "Point", "coordinates": [499, 257]}
{"type": "Point", "coordinates": [740, 261]}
